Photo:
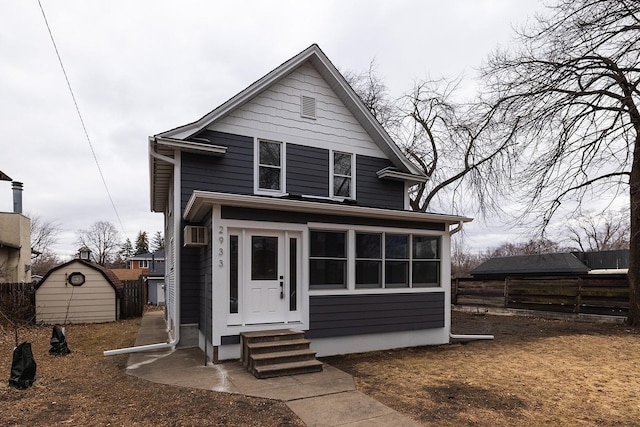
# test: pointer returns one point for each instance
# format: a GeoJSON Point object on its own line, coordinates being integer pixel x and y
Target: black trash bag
{"type": "Point", "coordinates": [58, 342]}
{"type": "Point", "coordinates": [23, 368]}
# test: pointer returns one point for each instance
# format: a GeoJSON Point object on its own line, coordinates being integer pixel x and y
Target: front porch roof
{"type": "Point", "coordinates": [200, 204]}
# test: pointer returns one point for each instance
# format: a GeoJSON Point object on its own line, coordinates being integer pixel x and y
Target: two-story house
{"type": "Point", "coordinates": [288, 206]}
{"type": "Point", "coordinates": [15, 240]}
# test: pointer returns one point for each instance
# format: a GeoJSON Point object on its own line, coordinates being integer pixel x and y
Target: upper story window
{"type": "Point", "coordinates": [342, 182]}
{"type": "Point", "coordinates": [269, 167]}
{"type": "Point", "coordinates": [143, 263]}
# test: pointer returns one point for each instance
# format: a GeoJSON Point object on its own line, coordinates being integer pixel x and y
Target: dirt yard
{"type": "Point", "coordinates": [535, 373]}
{"type": "Point", "coordinates": [86, 389]}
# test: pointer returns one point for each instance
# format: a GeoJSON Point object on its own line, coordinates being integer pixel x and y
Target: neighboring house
{"type": "Point", "coordinates": [152, 267]}
{"type": "Point", "coordinates": [128, 273]}
{"type": "Point", "coordinates": [78, 291]}
{"type": "Point", "coordinates": [155, 284]}
{"type": "Point", "coordinates": [15, 240]}
{"type": "Point", "coordinates": [145, 261]}
{"type": "Point", "coordinates": [288, 207]}
{"type": "Point", "coordinates": [553, 264]}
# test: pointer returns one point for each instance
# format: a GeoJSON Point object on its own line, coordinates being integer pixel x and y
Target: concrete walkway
{"type": "Point", "coordinates": [327, 398]}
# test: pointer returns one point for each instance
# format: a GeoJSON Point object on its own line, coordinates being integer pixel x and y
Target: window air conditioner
{"type": "Point", "coordinates": [195, 236]}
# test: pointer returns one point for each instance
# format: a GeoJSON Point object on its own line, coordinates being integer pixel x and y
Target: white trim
{"type": "Point", "coordinates": [383, 341]}
{"type": "Point", "coordinates": [200, 201]}
{"type": "Point", "coordinates": [194, 147]}
{"type": "Point", "coordinates": [392, 173]}
{"type": "Point", "coordinates": [256, 169]}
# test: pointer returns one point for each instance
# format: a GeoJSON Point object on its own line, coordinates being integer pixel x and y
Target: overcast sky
{"type": "Point", "coordinates": [138, 68]}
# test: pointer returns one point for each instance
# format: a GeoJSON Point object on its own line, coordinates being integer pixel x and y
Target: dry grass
{"type": "Point", "coordinates": [84, 388]}
{"type": "Point", "coordinates": [535, 373]}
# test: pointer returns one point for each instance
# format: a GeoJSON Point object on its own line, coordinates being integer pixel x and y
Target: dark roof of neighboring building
{"type": "Point", "coordinates": [542, 264]}
{"type": "Point", "coordinates": [159, 255]}
{"type": "Point", "coordinates": [111, 278]}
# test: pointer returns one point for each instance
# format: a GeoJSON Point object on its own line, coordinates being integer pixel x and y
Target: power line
{"type": "Point", "coordinates": [86, 133]}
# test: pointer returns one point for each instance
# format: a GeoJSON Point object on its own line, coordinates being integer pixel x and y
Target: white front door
{"type": "Point", "coordinates": [265, 292]}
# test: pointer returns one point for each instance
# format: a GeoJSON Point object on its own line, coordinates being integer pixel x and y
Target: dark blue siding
{"type": "Point", "coordinates": [206, 281]}
{"type": "Point", "coordinates": [307, 171]}
{"type": "Point", "coordinates": [195, 277]}
{"type": "Point", "coordinates": [229, 173]}
{"type": "Point", "coordinates": [190, 285]}
{"type": "Point", "coordinates": [345, 315]}
{"type": "Point", "coordinates": [373, 191]}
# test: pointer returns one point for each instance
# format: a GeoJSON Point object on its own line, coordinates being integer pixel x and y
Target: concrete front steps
{"type": "Point", "coordinates": [277, 353]}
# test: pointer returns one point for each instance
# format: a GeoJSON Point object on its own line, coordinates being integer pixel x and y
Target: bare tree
{"type": "Point", "coordinates": [464, 148]}
{"type": "Point", "coordinates": [44, 262]}
{"type": "Point", "coordinates": [102, 239]}
{"type": "Point", "coordinates": [463, 260]}
{"type": "Point", "coordinates": [374, 94]}
{"type": "Point", "coordinates": [44, 234]}
{"type": "Point", "coordinates": [572, 86]}
{"type": "Point", "coordinates": [529, 247]}
{"type": "Point", "coordinates": [604, 232]}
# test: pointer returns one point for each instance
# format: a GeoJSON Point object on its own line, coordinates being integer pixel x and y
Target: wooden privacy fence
{"type": "Point", "coordinates": [133, 298]}
{"type": "Point", "coordinates": [17, 302]}
{"type": "Point", "coordinates": [589, 294]}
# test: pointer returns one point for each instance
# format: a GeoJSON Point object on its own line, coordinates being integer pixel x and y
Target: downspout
{"type": "Point", "coordinates": [176, 253]}
{"type": "Point", "coordinates": [457, 229]}
{"type": "Point", "coordinates": [465, 337]}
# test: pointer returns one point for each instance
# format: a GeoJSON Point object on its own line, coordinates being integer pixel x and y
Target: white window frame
{"type": "Point", "coordinates": [143, 263]}
{"type": "Point", "coordinates": [332, 174]}
{"type": "Point", "coordinates": [256, 169]}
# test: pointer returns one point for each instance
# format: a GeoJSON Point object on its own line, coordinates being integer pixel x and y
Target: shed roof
{"type": "Point", "coordinates": [540, 264]}
{"type": "Point", "coordinates": [110, 277]}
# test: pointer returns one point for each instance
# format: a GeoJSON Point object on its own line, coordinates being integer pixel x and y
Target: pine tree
{"type": "Point", "coordinates": [157, 243]}
{"type": "Point", "coordinates": [142, 243]}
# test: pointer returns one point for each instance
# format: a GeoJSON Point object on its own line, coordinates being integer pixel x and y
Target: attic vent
{"type": "Point", "coordinates": [195, 236]}
{"type": "Point", "coordinates": [308, 107]}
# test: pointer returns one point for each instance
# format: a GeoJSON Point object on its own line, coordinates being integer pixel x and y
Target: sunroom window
{"type": "Point", "coordinates": [270, 174]}
{"type": "Point", "coordinates": [328, 260]}
{"type": "Point", "coordinates": [368, 260]}
{"type": "Point", "coordinates": [396, 265]}
{"type": "Point", "coordinates": [426, 261]}
{"type": "Point", "coordinates": [380, 260]}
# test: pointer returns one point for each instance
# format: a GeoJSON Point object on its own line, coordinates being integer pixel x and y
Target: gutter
{"type": "Point", "coordinates": [176, 253]}
{"type": "Point", "coordinates": [465, 338]}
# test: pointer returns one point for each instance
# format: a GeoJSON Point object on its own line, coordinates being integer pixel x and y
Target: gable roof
{"type": "Point", "coordinates": [542, 264]}
{"type": "Point", "coordinates": [110, 277]}
{"type": "Point", "coordinates": [176, 137]}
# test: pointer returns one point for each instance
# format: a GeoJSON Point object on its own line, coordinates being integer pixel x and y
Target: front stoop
{"type": "Point", "coordinates": [278, 353]}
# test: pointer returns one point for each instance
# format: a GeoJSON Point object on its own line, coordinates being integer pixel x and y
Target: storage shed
{"type": "Point", "coordinates": [78, 291]}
